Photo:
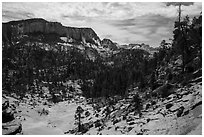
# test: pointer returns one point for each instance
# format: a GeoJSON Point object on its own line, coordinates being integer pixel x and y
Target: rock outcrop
{"type": "Point", "coordinates": [107, 43]}
{"type": "Point", "coordinates": [37, 25]}
{"type": "Point", "coordinates": [10, 125]}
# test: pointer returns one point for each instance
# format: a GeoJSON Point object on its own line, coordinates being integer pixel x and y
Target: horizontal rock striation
{"type": "Point", "coordinates": [38, 25]}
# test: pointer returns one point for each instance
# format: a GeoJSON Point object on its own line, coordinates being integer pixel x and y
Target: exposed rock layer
{"type": "Point", "coordinates": [22, 27]}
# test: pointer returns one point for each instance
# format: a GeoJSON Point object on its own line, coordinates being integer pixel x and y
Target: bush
{"type": "Point", "coordinates": [43, 111]}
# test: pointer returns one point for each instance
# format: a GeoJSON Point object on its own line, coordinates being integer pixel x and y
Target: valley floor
{"type": "Point", "coordinates": [59, 119]}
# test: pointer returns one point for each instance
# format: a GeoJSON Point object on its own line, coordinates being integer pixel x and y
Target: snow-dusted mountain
{"type": "Point", "coordinates": [55, 36]}
{"type": "Point", "coordinates": [142, 46]}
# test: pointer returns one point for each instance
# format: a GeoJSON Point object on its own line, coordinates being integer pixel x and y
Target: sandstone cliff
{"type": "Point", "coordinates": [37, 25]}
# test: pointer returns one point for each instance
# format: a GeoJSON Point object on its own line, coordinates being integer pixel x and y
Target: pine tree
{"type": "Point", "coordinates": [78, 113]}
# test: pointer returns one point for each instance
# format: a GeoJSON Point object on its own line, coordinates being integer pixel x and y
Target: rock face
{"type": "Point", "coordinates": [10, 125]}
{"type": "Point", "coordinates": [24, 27]}
{"type": "Point", "coordinates": [107, 43]}
{"type": "Point", "coordinates": [163, 91]}
{"type": "Point", "coordinates": [7, 111]}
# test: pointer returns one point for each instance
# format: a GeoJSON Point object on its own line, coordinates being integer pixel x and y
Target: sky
{"type": "Point", "coordinates": [122, 22]}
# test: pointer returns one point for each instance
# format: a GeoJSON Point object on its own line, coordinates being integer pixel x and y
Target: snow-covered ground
{"type": "Point", "coordinates": [59, 119]}
{"type": "Point", "coordinates": [161, 118]}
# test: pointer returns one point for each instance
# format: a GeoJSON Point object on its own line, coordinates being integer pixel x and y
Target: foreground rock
{"type": "Point", "coordinates": [10, 124]}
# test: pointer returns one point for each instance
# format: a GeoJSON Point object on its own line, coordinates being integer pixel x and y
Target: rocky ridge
{"type": "Point", "coordinates": [107, 43]}
{"type": "Point", "coordinates": [47, 32]}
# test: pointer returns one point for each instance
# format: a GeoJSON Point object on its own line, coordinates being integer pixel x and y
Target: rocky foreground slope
{"type": "Point", "coordinates": [179, 113]}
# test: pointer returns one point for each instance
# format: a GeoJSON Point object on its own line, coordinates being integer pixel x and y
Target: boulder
{"type": "Point", "coordinates": [153, 102]}
{"type": "Point", "coordinates": [148, 119]}
{"type": "Point", "coordinates": [185, 113]}
{"type": "Point", "coordinates": [129, 118]}
{"type": "Point", "coordinates": [10, 125]}
{"type": "Point", "coordinates": [84, 128]}
{"type": "Point", "coordinates": [180, 111]}
{"type": "Point", "coordinates": [98, 123]}
{"type": "Point", "coordinates": [7, 115]}
{"type": "Point", "coordinates": [131, 123]}
{"type": "Point", "coordinates": [43, 111]}
{"type": "Point", "coordinates": [116, 120]}
{"type": "Point", "coordinates": [124, 117]}
{"type": "Point", "coordinates": [147, 106]}
{"type": "Point", "coordinates": [169, 106]}
{"type": "Point", "coordinates": [12, 128]}
{"type": "Point", "coordinates": [8, 110]}
{"type": "Point", "coordinates": [129, 129]}
{"type": "Point", "coordinates": [164, 90]}
{"type": "Point", "coordinates": [71, 131]}
{"type": "Point", "coordinates": [97, 115]}
{"type": "Point", "coordinates": [196, 104]}
{"type": "Point", "coordinates": [87, 113]}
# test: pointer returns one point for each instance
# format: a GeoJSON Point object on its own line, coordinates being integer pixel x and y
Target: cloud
{"type": "Point", "coordinates": [179, 3]}
{"type": "Point", "coordinates": [9, 15]}
{"type": "Point", "coordinates": [75, 17]}
{"type": "Point", "coordinates": [147, 28]}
